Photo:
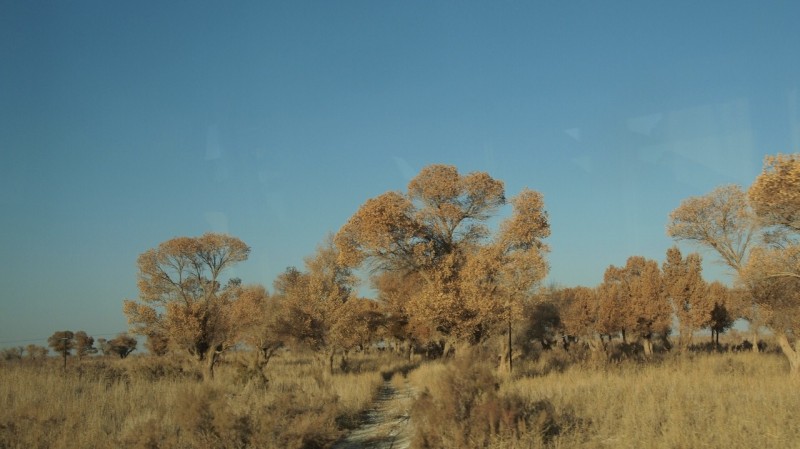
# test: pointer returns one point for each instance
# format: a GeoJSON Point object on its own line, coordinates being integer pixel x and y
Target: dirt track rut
{"type": "Point", "coordinates": [387, 425]}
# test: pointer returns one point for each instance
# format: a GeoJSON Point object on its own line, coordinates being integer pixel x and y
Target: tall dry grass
{"type": "Point", "coordinates": [726, 401]}
{"type": "Point", "coordinates": [144, 402]}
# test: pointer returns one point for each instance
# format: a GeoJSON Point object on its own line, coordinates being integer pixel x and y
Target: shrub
{"type": "Point", "coordinates": [460, 407]}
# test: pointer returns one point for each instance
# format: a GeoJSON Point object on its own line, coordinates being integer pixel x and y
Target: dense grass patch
{"type": "Point", "coordinates": [726, 401]}
{"type": "Point", "coordinates": [707, 400]}
{"type": "Point", "coordinates": [144, 402]}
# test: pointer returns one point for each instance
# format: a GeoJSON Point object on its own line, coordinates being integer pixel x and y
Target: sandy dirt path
{"type": "Point", "coordinates": [387, 425]}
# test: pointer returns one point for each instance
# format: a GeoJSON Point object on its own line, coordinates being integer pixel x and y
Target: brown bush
{"type": "Point", "coordinates": [461, 407]}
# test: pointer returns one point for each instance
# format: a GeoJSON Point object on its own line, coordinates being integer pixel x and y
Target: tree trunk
{"type": "Point", "coordinates": [331, 355]}
{"type": "Point", "coordinates": [597, 345]}
{"type": "Point", "coordinates": [599, 350]}
{"type": "Point", "coordinates": [266, 353]}
{"type": "Point", "coordinates": [793, 354]}
{"type": "Point", "coordinates": [647, 344]}
{"type": "Point", "coordinates": [686, 338]}
{"type": "Point", "coordinates": [211, 360]}
{"type": "Point", "coordinates": [755, 339]}
{"type": "Point", "coordinates": [510, 355]}
{"type": "Point", "coordinates": [447, 347]}
{"type": "Point", "coordinates": [344, 365]}
{"type": "Point", "coordinates": [665, 342]}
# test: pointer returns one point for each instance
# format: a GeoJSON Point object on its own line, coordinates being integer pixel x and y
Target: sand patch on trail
{"type": "Point", "coordinates": [387, 424]}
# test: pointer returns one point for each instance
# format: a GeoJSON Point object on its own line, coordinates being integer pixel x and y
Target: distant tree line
{"type": "Point", "coordinates": [68, 343]}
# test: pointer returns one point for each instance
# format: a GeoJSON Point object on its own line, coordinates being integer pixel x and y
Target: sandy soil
{"type": "Point", "coordinates": [387, 425]}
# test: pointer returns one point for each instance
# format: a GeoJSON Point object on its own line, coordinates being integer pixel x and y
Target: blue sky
{"type": "Point", "coordinates": [124, 124]}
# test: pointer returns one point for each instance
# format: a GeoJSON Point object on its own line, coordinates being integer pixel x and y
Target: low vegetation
{"type": "Point", "coordinates": [728, 400]}
{"type": "Point", "coordinates": [151, 402]}
{"type": "Point", "coordinates": [555, 399]}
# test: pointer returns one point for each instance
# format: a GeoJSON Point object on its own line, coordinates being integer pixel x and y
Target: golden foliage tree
{"type": "Point", "coordinates": [685, 288]}
{"type": "Point", "coordinates": [775, 194]}
{"type": "Point", "coordinates": [84, 344]}
{"type": "Point", "coordinates": [36, 352]}
{"type": "Point", "coordinates": [62, 342]}
{"type": "Point", "coordinates": [122, 345]}
{"type": "Point", "coordinates": [181, 294]}
{"type": "Point", "coordinates": [157, 343]}
{"type": "Point", "coordinates": [256, 316]}
{"type": "Point", "coordinates": [723, 221]}
{"type": "Point", "coordinates": [438, 231]}
{"type": "Point", "coordinates": [610, 300]}
{"type": "Point", "coordinates": [773, 272]}
{"type": "Point", "coordinates": [317, 306]}
{"type": "Point", "coordinates": [716, 309]}
{"type": "Point", "coordinates": [580, 315]}
{"type": "Point", "coordinates": [643, 309]}
{"type": "Point", "coordinates": [394, 289]}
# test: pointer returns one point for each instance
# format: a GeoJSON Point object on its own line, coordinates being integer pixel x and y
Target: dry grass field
{"type": "Point", "coordinates": [726, 401]}
{"type": "Point", "coordinates": [145, 402]}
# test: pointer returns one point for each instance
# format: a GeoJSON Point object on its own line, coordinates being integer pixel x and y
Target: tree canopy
{"type": "Point", "coordinates": [438, 232]}
{"type": "Point", "coordinates": [721, 220]}
{"type": "Point", "coordinates": [62, 342]}
{"type": "Point", "coordinates": [685, 289]}
{"type": "Point", "coordinates": [772, 274]}
{"type": "Point", "coordinates": [642, 307]}
{"type": "Point", "coordinates": [182, 297]}
{"type": "Point", "coordinates": [775, 194]}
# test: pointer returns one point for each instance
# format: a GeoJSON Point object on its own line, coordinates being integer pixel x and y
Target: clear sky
{"type": "Point", "coordinates": [124, 124]}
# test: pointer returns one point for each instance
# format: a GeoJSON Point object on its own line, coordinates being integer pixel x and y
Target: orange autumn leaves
{"type": "Point", "coordinates": [437, 234]}
{"type": "Point", "coordinates": [446, 270]}
{"type": "Point", "coordinates": [773, 270]}
{"type": "Point", "coordinates": [458, 279]}
{"type": "Point", "coordinates": [181, 297]}
{"type": "Point", "coordinates": [757, 234]}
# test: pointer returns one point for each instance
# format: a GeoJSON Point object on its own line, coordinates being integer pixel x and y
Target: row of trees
{"type": "Point", "coordinates": [640, 301]}
{"type": "Point", "coordinates": [444, 279]}
{"type": "Point", "coordinates": [31, 351]}
{"type": "Point", "coordinates": [64, 342]}
{"type": "Point", "coordinates": [754, 232]}
{"type": "Point", "coordinates": [757, 234]}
